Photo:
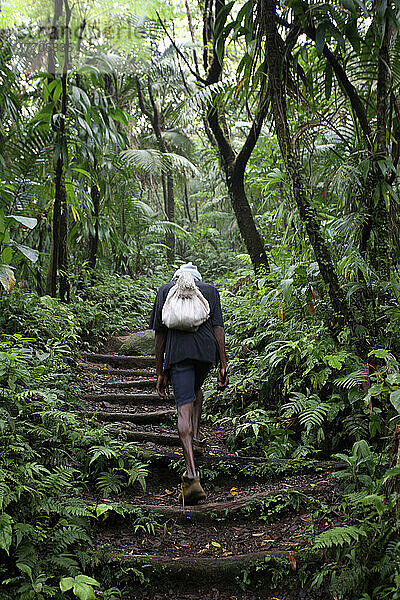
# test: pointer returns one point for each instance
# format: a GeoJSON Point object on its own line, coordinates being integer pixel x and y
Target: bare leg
{"type": "Point", "coordinates": [197, 408]}
{"type": "Point", "coordinates": [185, 430]}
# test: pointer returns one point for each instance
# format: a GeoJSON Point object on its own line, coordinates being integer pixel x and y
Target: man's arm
{"type": "Point", "coordinates": [162, 382]}
{"type": "Point", "coordinates": [222, 380]}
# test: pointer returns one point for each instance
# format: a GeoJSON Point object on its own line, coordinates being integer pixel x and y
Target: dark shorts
{"type": "Point", "coordinates": [187, 377]}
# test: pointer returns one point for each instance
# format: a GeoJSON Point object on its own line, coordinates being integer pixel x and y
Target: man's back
{"type": "Point", "coordinates": [180, 345]}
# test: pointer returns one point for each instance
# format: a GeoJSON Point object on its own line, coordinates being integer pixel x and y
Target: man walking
{"type": "Point", "coordinates": [185, 358]}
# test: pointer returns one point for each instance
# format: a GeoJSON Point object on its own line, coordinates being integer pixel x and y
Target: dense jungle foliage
{"type": "Point", "coordinates": [259, 140]}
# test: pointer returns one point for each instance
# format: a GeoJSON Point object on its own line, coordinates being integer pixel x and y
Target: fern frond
{"type": "Point", "coordinates": [138, 473]}
{"type": "Point", "coordinates": [338, 536]}
{"type": "Point", "coordinates": [350, 380]}
{"type": "Point", "coordinates": [67, 536]}
{"type": "Point", "coordinates": [111, 482]}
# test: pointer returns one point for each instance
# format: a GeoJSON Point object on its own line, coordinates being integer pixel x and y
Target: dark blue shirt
{"type": "Point", "coordinates": [198, 345]}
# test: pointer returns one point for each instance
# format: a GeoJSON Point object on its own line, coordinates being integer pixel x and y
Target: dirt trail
{"type": "Point", "coordinates": [252, 530]}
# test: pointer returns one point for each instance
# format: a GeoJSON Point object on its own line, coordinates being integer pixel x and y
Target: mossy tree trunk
{"type": "Point", "coordinates": [275, 57]}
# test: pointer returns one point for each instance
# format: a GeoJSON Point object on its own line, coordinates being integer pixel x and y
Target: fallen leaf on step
{"type": "Point", "coordinates": [204, 549]}
{"type": "Point", "coordinates": [266, 542]}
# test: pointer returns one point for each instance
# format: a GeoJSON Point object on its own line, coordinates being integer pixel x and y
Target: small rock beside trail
{"type": "Point", "coordinates": [140, 343]}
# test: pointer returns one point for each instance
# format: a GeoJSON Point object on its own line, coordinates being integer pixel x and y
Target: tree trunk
{"type": "Point", "coordinates": [246, 224]}
{"type": "Point", "coordinates": [94, 238]}
{"type": "Point", "coordinates": [170, 210]}
{"type": "Point", "coordinates": [187, 207]}
{"type": "Point", "coordinates": [382, 253]}
{"type": "Point", "coordinates": [274, 51]}
{"type": "Point", "coordinates": [233, 165]}
{"type": "Point", "coordinates": [58, 264]}
{"type": "Point", "coordinates": [156, 119]}
{"type": "Point", "coordinates": [63, 252]}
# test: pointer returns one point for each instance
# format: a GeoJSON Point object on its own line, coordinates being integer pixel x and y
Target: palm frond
{"type": "Point", "coordinates": [153, 162]}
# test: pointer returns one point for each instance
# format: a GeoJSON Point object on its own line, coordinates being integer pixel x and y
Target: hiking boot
{"type": "Point", "coordinates": [191, 490]}
{"type": "Point", "coordinates": [198, 447]}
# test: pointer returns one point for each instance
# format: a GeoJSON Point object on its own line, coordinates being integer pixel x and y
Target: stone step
{"type": "Point", "coordinates": [125, 398]}
{"type": "Point", "coordinates": [230, 509]}
{"type": "Point", "coordinates": [182, 569]}
{"type": "Point", "coordinates": [167, 439]}
{"type": "Point", "coordinates": [117, 360]}
{"type": "Point", "coordinates": [268, 469]}
{"type": "Point", "coordinates": [158, 416]}
{"type": "Point", "coordinates": [120, 372]}
{"type": "Point", "coordinates": [134, 383]}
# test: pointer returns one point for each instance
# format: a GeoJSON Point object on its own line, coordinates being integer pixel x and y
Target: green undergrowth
{"type": "Point", "coordinates": [48, 452]}
{"type": "Point", "coordinates": [301, 390]}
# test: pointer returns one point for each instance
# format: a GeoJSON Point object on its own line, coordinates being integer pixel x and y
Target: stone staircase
{"type": "Point", "coordinates": [257, 519]}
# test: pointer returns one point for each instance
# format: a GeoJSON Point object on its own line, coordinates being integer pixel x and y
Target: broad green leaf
{"type": "Point", "coordinates": [375, 389]}
{"type": "Point", "coordinates": [86, 579]}
{"type": "Point", "coordinates": [25, 569]}
{"type": "Point", "coordinates": [82, 172]}
{"type": "Point", "coordinates": [30, 253]}
{"type": "Point", "coordinates": [393, 472]}
{"type": "Point", "coordinates": [334, 31]}
{"type": "Point", "coordinates": [5, 531]}
{"type": "Point", "coordinates": [66, 583]}
{"type": "Point", "coordinates": [395, 400]}
{"type": "Point", "coordinates": [393, 379]}
{"type": "Point", "coordinates": [27, 221]}
{"type": "Point", "coordinates": [349, 5]}
{"type": "Point", "coordinates": [7, 278]}
{"type": "Point", "coordinates": [351, 32]}
{"type": "Point", "coordinates": [83, 591]}
{"type": "Point", "coordinates": [379, 353]}
{"type": "Point", "coordinates": [101, 509]}
{"type": "Point", "coordinates": [221, 18]}
{"type": "Point", "coordinates": [334, 361]}
{"type": "Point", "coordinates": [320, 38]}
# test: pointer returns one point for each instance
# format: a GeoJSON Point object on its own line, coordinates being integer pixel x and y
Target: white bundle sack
{"type": "Point", "coordinates": [185, 307]}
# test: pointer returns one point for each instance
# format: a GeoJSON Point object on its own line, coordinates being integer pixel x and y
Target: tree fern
{"type": "Point", "coordinates": [154, 162]}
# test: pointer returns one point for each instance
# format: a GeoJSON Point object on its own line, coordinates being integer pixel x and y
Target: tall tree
{"type": "Point", "coordinates": [233, 163]}
{"type": "Point", "coordinates": [275, 53]}
{"type": "Point", "coordinates": [155, 115]}
{"type": "Point", "coordinates": [58, 266]}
